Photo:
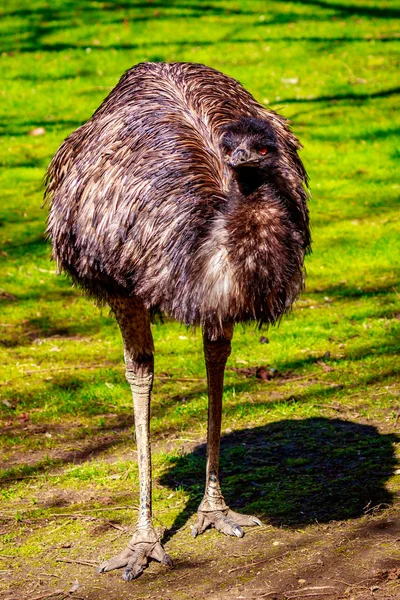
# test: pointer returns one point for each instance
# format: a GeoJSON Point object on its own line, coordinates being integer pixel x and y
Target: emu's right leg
{"type": "Point", "coordinates": [133, 319]}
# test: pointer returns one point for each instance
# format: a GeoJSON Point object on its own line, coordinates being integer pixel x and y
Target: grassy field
{"type": "Point", "coordinates": [313, 451]}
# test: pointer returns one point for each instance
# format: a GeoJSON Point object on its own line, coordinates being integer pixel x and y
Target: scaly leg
{"type": "Point", "coordinates": [134, 322]}
{"type": "Point", "coordinates": [213, 511]}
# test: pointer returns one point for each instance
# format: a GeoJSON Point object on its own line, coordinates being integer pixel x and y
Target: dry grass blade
{"type": "Point", "coordinates": [259, 562]}
{"type": "Point", "coordinates": [48, 595]}
{"type": "Point", "coordinates": [88, 563]}
{"type": "Point", "coordinates": [311, 591]}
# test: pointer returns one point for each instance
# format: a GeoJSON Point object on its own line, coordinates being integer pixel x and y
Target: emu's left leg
{"type": "Point", "coordinates": [213, 511]}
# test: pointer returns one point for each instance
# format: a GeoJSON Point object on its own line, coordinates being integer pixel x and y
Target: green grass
{"type": "Point", "coordinates": [65, 409]}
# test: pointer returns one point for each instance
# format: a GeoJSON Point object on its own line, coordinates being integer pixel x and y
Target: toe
{"type": "Point", "coordinates": [228, 527]}
{"type": "Point", "coordinates": [237, 530]}
{"type": "Point", "coordinates": [167, 560]}
{"type": "Point", "coordinates": [195, 531]}
{"type": "Point", "coordinates": [103, 567]}
{"type": "Point", "coordinates": [137, 562]}
{"type": "Point", "coordinates": [128, 575]}
{"type": "Point", "coordinates": [132, 572]}
{"type": "Point", "coordinates": [243, 520]}
{"type": "Point", "coordinates": [158, 553]}
{"type": "Point", "coordinates": [118, 562]}
{"type": "Point", "coordinates": [202, 523]}
{"type": "Point", "coordinates": [110, 565]}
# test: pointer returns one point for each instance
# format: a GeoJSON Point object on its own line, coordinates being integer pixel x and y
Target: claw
{"type": "Point", "coordinates": [128, 575]}
{"type": "Point", "coordinates": [118, 562]}
{"type": "Point", "coordinates": [167, 561]}
{"type": "Point", "coordinates": [202, 523]}
{"type": "Point", "coordinates": [238, 531]}
{"type": "Point", "coordinates": [158, 553]}
{"type": "Point", "coordinates": [243, 520]}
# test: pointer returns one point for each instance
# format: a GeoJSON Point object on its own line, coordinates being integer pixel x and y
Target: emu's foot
{"type": "Point", "coordinates": [143, 546]}
{"type": "Point", "coordinates": [227, 521]}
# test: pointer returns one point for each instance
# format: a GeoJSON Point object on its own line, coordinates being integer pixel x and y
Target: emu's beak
{"type": "Point", "coordinates": [239, 157]}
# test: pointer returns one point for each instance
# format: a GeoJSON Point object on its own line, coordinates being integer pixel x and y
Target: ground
{"type": "Point", "coordinates": [311, 408]}
{"type": "Point", "coordinates": [328, 545]}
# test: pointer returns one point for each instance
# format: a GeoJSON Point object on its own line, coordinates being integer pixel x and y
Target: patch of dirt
{"type": "Point", "coordinates": [65, 452]}
{"type": "Point", "coordinates": [352, 560]}
{"type": "Point", "coordinates": [264, 372]}
{"type": "Point", "coordinates": [39, 330]}
{"type": "Point", "coordinates": [58, 498]}
{"type": "Point", "coordinates": [332, 525]}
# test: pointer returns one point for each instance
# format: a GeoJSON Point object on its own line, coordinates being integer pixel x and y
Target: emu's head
{"type": "Point", "coordinates": [249, 142]}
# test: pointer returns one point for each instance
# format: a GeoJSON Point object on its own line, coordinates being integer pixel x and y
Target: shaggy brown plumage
{"type": "Point", "coordinates": [144, 202]}
{"type": "Point", "coordinates": [182, 195]}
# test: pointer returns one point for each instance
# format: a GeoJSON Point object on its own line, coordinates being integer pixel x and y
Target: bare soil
{"type": "Point", "coordinates": [352, 558]}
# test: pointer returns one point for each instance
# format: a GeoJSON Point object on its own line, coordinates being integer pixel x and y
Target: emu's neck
{"type": "Point", "coordinates": [249, 179]}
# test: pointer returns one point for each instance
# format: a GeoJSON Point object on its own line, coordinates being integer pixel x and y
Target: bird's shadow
{"type": "Point", "coordinates": [293, 472]}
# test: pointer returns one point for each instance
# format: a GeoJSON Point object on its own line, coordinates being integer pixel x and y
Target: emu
{"type": "Point", "coordinates": [181, 195]}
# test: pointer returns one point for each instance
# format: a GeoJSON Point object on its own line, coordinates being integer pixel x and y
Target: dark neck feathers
{"type": "Point", "coordinates": [249, 179]}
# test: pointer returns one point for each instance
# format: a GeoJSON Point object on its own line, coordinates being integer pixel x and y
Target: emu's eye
{"type": "Point", "coordinates": [263, 151]}
{"type": "Point", "coordinates": [228, 152]}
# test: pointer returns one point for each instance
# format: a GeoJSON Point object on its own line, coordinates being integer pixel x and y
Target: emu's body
{"type": "Point", "coordinates": [148, 213]}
